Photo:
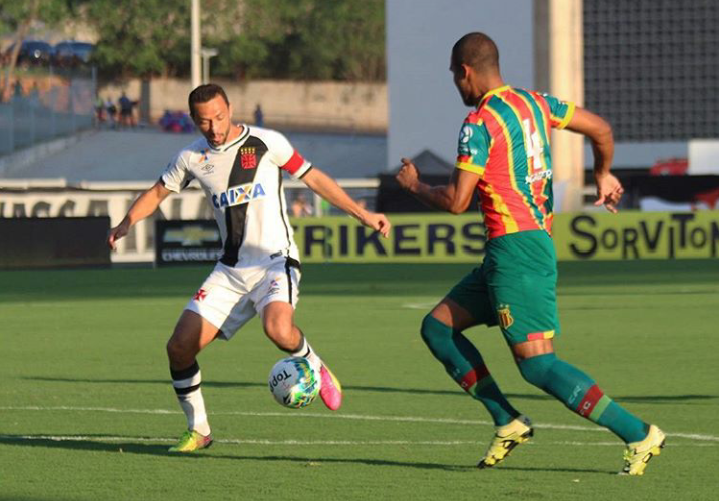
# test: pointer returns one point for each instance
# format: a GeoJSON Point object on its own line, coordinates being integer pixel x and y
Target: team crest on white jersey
{"type": "Point", "coordinates": [248, 158]}
{"type": "Point", "coordinates": [238, 195]}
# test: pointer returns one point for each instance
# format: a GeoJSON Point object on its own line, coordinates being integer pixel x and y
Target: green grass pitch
{"type": "Point", "coordinates": [87, 412]}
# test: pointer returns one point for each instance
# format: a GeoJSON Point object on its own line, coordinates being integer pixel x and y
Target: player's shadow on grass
{"type": "Point", "coordinates": [41, 441]}
{"type": "Point", "coordinates": [129, 447]}
{"type": "Point", "coordinates": [402, 464]}
{"type": "Point", "coordinates": [646, 399]}
{"type": "Point", "coordinates": [246, 384]}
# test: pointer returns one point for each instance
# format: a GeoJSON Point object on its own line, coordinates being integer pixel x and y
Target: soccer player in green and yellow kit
{"type": "Point", "coordinates": [504, 154]}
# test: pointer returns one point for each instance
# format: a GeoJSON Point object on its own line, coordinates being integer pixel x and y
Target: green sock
{"type": "Point", "coordinates": [464, 364]}
{"type": "Point", "coordinates": [577, 391]}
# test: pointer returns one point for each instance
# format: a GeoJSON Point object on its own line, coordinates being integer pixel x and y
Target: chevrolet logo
{"type": "Point", "coordinates": [192, 235]}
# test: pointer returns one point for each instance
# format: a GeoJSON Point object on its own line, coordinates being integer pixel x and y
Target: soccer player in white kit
{"type": "Point", "coordinates": [240, 170]}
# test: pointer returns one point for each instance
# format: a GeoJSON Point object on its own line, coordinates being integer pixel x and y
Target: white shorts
{"type": "Point", "coordinates": [230, 297]}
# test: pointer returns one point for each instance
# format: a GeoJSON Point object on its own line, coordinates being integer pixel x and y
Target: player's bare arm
{"type": "Point", "coordinates": [327, 188]}
{"type": "Point", "coordinates": [453, 197]}
{"type": "Point", "coordinates": [143, 207]}
{"type": "Point", "coordinates": [599, 132]}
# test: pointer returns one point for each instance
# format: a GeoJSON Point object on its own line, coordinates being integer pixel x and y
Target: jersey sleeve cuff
{"type": "Point", "coordinates": [302, 170]}
{"type": "Point", "coordinates": [305, 171]}
{"type": "Point", "coordinates": [470, 167]}
{"type": "Point", "coordinates": [568, 116]}
{"type": "Point", "coordinates": [169, 185]}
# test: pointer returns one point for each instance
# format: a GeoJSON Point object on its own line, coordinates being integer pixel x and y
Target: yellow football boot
{"type": "Point", "coordinates": [638, 454]}
{"type": "Point", "coordinates": [507, 438]}
{"type": "Point", "coordinates": [191, 441]}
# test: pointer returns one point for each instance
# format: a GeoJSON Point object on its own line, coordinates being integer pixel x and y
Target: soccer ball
{"type": "Point", "coordinates": [293, 382]}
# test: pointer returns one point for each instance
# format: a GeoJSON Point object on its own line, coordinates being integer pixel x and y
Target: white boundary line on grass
{"type": "Point", "coordinates": [421, 305]}
{"type": "Point", "coordinates": [250, 441]}
{"type": "Point", "coordinates": [361, 417]}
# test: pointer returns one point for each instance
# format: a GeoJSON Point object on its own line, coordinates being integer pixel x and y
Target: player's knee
{"type": "Point", "coordinates": [179, 351]}
{"type": "Point", "coordinates": [281, 333]}
{"type": "Point", "coordinates": [434, 332]}
{"type": "Point", "coordinates": [537, 370]}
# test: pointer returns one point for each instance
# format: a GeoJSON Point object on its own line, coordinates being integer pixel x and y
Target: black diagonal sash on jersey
{"type": "Point", "coordinates": [283, 212]}
{"type": "Point", "coordinates": [236, 216]}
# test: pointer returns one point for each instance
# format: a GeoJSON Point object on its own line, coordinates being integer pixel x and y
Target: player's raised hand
{"type": "Point", "coordinates": [408, 175]}
{"type": "Point", "coordinates": [117, 233]}
{"type": "Point", "coordinates": [381, 224]}
{"type": "Point", "coordinates": [378, 222]}
{"type": "Point", "coordinates": [609, 192]}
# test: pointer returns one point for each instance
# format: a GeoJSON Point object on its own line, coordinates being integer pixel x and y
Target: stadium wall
{"type": "Point", "coordinates": [415, 237]}
{"type": "Point", "coordinates": [54, 242]}
{"type": "Point", "coordinates": [356, 107]}
{"type": "Point", "coordinates": [63, 202]}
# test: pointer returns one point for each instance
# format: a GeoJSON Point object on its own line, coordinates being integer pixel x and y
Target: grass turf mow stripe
{"type": "Point", "coordinates": [250, 441]}
{"type": "Point", "coordinates": [360, 417]}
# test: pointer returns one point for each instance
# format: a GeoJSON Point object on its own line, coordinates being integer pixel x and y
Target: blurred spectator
{"type": "Point", "coordinates": [259, 116]}
{"type": "Point", "coordinates": [111, 110]}
{"type": "Point", "coordinates": [301, 207]}
{"type": "Point", "coordinates": [99, 111]}
{"type": "Point", "coordinates": [176, 121]}
{"type": "Point", "coordinates": [18, 92]}
{"type": "Point", "coordinates": [127, 119]}
{"type": "Point", "coordinates": [325, 207]}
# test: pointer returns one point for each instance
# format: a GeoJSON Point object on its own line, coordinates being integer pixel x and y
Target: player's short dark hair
{"type": "Point", "coordinates": [477, 51]}
{"type": "Point", "coordinates": [204, 93]}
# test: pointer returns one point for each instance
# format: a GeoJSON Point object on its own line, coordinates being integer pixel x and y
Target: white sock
{"type": "Point", "coordinates": [187, 383]}
{"type": "Point", "coordinates": [306, 351]}
{"type": "Point", "coordinates": [194, 407]}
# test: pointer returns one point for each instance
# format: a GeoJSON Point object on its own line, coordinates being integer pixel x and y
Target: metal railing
{"type": "Point", "coordinates": [46, 106]}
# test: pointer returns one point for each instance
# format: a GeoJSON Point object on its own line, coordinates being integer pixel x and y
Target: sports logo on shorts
{"type": "Point", "coordinates": [248, 158]}
{"type": "Point", "coordinates": [274, 287]}
{"type": "Point", "coordinates": [200, 295]}
{"type": "Point", "coordinates": [504, 316]}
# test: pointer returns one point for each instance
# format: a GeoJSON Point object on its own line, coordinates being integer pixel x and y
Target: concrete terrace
{"type": "Point", "coordinates": [142, 154]}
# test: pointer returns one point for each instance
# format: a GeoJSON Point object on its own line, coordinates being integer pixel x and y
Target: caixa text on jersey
{"type": "Point", "coordinates": [238, 195]}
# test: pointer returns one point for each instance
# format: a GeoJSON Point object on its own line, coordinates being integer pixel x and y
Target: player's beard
{"type": "Point", "coordinates": [223, 137]}
{"type": "Point", "coordinates": [469, 99]}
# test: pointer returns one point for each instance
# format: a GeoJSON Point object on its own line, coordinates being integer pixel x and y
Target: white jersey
{"type": "Point", "coordinates": [243, 183]}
